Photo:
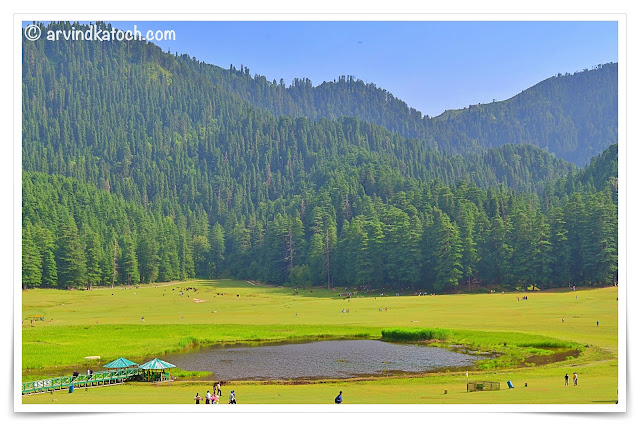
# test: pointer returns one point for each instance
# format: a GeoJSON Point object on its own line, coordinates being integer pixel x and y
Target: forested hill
{"type": "Point", "coordinates": [147, 124]}
{"type": "Point", "coordinates": [139, 166]}
{"type": "Point", "coordinates": [601, 169]}
{"type": "Point", "coordinates": [574, 116]}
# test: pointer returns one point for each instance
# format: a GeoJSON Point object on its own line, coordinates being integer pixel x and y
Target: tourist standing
{"type": "Point", "coordinates": [197, 398]}
{"type": "Point", "coordinates": [338, 399]}
{"type": "Point", "coordinates": [566, 379]}
{"type": "Point", "coordinates": [232, 398]}
{"type": "Point", "coordinates": [208, 397]}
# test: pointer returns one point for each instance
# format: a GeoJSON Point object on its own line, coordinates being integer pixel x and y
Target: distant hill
{"type": "Point", "coordinates": [574, 116]}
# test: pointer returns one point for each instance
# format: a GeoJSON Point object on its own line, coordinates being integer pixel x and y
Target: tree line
{"type": "Point", "coordinates": [432, 238]}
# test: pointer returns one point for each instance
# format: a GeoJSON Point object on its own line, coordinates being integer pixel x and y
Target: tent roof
{"type": "Point", "coordinates": [156, 364]}
{"type": "Point", "coordinates": [120, 363]}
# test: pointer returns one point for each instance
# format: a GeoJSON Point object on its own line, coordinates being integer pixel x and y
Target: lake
{"type": "Point", "coordinates": [318, 359]}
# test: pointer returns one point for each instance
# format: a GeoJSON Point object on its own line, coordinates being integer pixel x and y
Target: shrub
{"type": "Point", "coordinates": [414, 334]}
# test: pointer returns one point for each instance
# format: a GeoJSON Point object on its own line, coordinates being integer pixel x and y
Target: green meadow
{"type": "Point", "coordinates": [108, 323]}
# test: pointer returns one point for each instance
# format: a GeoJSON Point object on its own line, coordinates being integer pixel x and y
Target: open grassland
{"type": "Point", "coordinates": [545, 385]}
{"type": "Point", "coordinates": [67, 346]}
{"type": "Point", "coordinates": [108, 322]}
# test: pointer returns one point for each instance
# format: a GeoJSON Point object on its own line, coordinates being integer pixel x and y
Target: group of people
{"type": "Point", "coordinates": [214, 398]}
{"type": "Point", "coordinates": [575, 379]}
{"type": "Point", "coordinates": [75, 374]}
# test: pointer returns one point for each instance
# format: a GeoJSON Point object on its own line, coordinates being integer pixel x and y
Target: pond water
{"type": "Point", "coordinates": [318, 359]}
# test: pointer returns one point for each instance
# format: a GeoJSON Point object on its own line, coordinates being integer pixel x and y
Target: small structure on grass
{"type": "Point", "coordinates": [482, 386]}
{"type": "Point", "coordinates": [123, 366]}
{"type": "Point", "coordinates": [91, 359]}
{"type": "Point", "coordinates": [120, 363]}
{"type": "Point", "coordinates": [154, 371]}
{"type": "Point", "coordinates": [35, 317]}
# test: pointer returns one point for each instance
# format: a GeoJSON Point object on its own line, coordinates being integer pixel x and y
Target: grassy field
{"type": "Point", "coordinates": [108, 322]}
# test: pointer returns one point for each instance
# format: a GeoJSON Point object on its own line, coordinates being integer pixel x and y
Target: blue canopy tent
{"type": "Point", "coordinates": [125, 369]}
{"type": "Point", "coordinates": [120, 363]}
{"type": "Point", "coordinates": [154, 370]}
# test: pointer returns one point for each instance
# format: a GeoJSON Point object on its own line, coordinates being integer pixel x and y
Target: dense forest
{"type": "Point", "coordinates": [574, 116]}
{"type": "Point", "coordinates": [142, 166]}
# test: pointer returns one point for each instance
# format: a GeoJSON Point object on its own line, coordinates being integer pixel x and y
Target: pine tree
{"type": "Point", "coordinates": [300, 276]}
{"type": "Point", "coordinates": [169, 265]}
{"type": "Point", "coordinates": [147, 252]}
{"type": "Point", "coordinates": [217, 250]}
{"type": "Point", "coordinates": [428, 253]}
{"type": "Point", "coordinates": [316, 259]}
{"type": "Point", "coordinates": [46, 241]}
{"type": "Point", "coordinates": [560, 249]}
{"type": "Point", "coordinates": [465, 220]}
{"type": "Point", "coordinates": [187, 266]}
{"type": "Point", "coordinates": [577, 232]}
{"type": "Point", "coordinates": [201, 257]}
{"type": "Point", "coordinates": [31, 272]}
{"type": "Point", "coordinates": [542, 257]}
{"type": "Point", "coordinates": [600, 252]}
{"type": "Point", "coordinates": [49, 269]}
{"type": "Point", "coordinates": [448, 253]}
{"type": "Point", "coordinates": [70, 255]}
{"type": "Point", "coordinates": [376, 254]}
{"type": "Point", "coordinates": [130, 270]}
{"type": "Point", "coordinates": [94, 258]}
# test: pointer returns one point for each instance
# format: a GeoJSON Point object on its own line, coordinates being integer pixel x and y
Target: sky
{"type": "Point", "coordinates": [432, 66]}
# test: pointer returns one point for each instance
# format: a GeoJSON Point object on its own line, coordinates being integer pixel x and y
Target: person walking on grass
{"type": "Point", "coordinates": [232, 398]}
{"type": "Point", "coordinates": [218, 388]}
{"type": "Point", "coordinates": [566, 379]}
{"type": "Point", "coordinates": [575, 379]}
{"type": "Point", "coordinates": [197, 398]}
{"type": "Point", "coordinates": [208, 398]}
{"type": "Point", "coordinates": [338, 399]}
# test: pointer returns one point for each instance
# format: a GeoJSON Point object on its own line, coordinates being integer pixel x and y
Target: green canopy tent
{"type": "Point", "coordinates": [120, 363]}
{"type": "Point", "coordinates": [123, 366]}
{"type": "Point", "coordinates": [154, 370]}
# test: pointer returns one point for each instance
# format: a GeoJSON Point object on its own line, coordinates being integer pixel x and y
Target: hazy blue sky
{"type": "Point", "coordinates": [432, 66]}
